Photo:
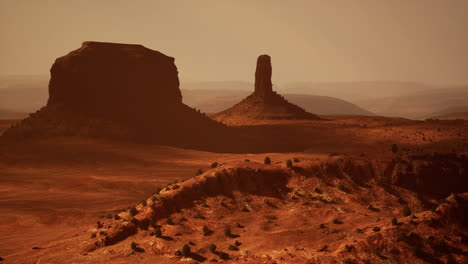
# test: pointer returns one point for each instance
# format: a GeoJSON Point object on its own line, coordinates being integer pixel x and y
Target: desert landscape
{"type": "Point", "coordinates": [120, 155]}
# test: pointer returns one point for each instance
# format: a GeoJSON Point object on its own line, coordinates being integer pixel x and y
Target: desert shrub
{"type": "Point", "coordinates": [342, 188]}
{"type": "Point", "coordinates": [429, 240]}
{"type": "Point", "coordinates": [337, 221]}
{"type": "Point", "coordinates": [93, 235]}
{"type": "Point", "coordinates": [133, 211]}
{"type": "Point", "coordinates": [349, 261]}
{"type": "Point", "coordinates": [223, 255]}
{"type": "Point", "coordinates": [109, 216]}
{"type": "Point", "coordinates": [296, 160]}
{"type": "Point", "coordinates": [214, 165]}
{"type": "Point", "coordinates": [199, 172]}
{"type": "Point", "coordinates": [417, 252]}
{"type": "Point", "coordinates": [206, 231]}
{"type": "Point", "coordinates": [247, 160]}
{"type": "Point", "coordinates": [169, 221]}
{"type": "Point", "coordinates": [212, 248]}
{"type": "Point", "coordinates": [289, 164]}
{"type": "Point", "coordinates": [144, 203]}
{"type": "Point", "coordinates": [322, 226]}
{"type": "Point", "coordinates": [394, 221]}
{"type": "Point", "coordinates": [158, 190]}
{"type": "Point", "coordinates": [442, 244]}
{"type": "Point", "coordinates": [175, 187]}
{"type": "Point", "coordinates": [227, 232]}
{"type": "Point", "coordinates": [233, 248]}
{"type": "Point", "coordinates": [401, 237]}
{"type": "Point", "coordinates": [365, 261]}
{"type": "Point", "coordinates": [133, 246]}
{"type": "Point", "coordinates": [157, 232]}
{"type": "Point", "coordinates": [406, 211]}
{"type": "Point", "coordinates": [116, 217]}
{"type": "Point", "coordinates": [394, 148]}
{"type": "Point", "coordinates": [185, 250]}
{"type": "Point", "coordinates": [267, 160]}
{"type": "Point", "coordinates": [376, 229]}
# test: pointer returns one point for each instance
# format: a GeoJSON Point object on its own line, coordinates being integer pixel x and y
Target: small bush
{"type": "Point", "coordinates": [223, 255]}
{"type": "Point", "coordinates": [109, 216]}
{"type": "Point", "coordinates": [158, 190]}
{"type": "Point", "coordinates": [157, 232]}
{"type": "Point", "coordinates": [169, 221]}
{"type": "Point", "coordinates": [133, 211]}
{"type": "Point", "coordinates": [401, 237]}
{"type": "Point", "coordinates": [144, 203]}
{"type": "Point", "coordinates": [206, 231]}
{"type": "Point", "coordinates": [247, 160]}
{"type": "Point", "coordinates": [394, 148]}
{"type": "Point", "coordinates": [214, 165]}
{"type": "Point", "coordinates": [417, 252]}
{"type": "Point", "coordinates": [296, 160]}
{"type": "Point", "coordinates": [175, 187]}
{"type": "Point", "coordinates": [116, 217]}
{"type": "Point", "coordinates": [233, 248]}
{"type": "Point", "coordinates": [349, 261]}
{"type": "Point", "coordinates": [227, 232]}
{"type": "Point", "coordinates": [185, 250]}
{"type": "Point", "coordinates": [406, 211]}
{"type": "Point", "coordinates": [289, 164]}
{"type": "Point", "coordinates": [394, 221]}
{"type": "Point", "coordinates": [322, 226]}
{"type": "Point", "coordinates": [342, 188]}
{"type": "Point", "coordinates": [133, 246]}
{"type": "Point", "coordinates": [199, 172]}
{"type": "Point", "coordinates": [212, 248]}
{"type": "Point", "coordinates": [93, 235]}
{"type": "Point", "coordinates": [337, 222]}
{"type": "Point", "coordinates": [267, 160]}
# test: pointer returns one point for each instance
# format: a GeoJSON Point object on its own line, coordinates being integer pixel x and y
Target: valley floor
{"type": "Point", "coordinates": [53, 190]}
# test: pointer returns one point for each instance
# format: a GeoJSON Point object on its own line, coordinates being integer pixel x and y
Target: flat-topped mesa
{"type": "Point", "coordinates": [263, 85]}
{"type": "Point", "coordinates": [119, 91]}
{"type": "Point", "coordinates": [116, 81]}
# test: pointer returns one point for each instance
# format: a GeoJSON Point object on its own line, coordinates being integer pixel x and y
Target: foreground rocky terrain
{"type": "Point", "coordinates": [303, 209]}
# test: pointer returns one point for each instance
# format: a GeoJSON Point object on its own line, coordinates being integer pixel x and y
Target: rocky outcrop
{"type": "Point", "coordinates": [114, 81]}
{"type": "Point", "coordinates": [120, 91]}
{"type": "Point", "coordinates": [263, 103]}
{"type": "Point", "coordinates": [263, 85]}
{"type": "Point", "coordinates": [436, 174]}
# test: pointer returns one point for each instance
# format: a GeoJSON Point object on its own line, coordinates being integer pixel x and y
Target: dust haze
{"type": "Point", "coordinates": [234, 132]}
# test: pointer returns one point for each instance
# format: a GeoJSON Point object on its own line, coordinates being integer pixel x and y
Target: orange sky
{"type": "Point", "coordinates": [332, 40]}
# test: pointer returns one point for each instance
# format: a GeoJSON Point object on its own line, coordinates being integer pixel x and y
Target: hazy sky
{"type": "Point", "coordinates": [326, 40]}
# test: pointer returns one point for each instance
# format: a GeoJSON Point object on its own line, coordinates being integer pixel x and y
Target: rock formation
{"type": "Point", "coordinates": [119, 91]}
{"type": "Point", "coordinates": [263, 85]}
{"type": "Point", "coordinates": [114, 81]}
{"type": "Point", "coordinates": [263, 103]}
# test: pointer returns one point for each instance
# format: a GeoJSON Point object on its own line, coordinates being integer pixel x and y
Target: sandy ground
{"type": "Point", "coordinates": [50, 189]}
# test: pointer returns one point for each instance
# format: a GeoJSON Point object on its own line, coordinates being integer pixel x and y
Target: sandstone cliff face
{"type": "Point", "coordinates": [263, 85]}
{"type": "Point", "coordinates": [114, 81]}
{"type": "Point", "coordinates": [119, 91]}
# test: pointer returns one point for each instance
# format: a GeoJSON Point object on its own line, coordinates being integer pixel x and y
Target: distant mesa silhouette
{"type": "Point", "coordinates": [121, 91]}
{"type": "Point", "coordinates": [263, 103]}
